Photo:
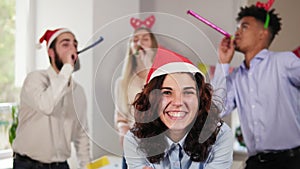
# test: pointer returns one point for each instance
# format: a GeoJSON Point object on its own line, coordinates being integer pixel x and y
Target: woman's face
{"type": "Point", "coordinates": [179, 105]}
{"type": "Point", "coordinates": [141, 49]}
{"type": "Point", "coordinates": [141, 38]}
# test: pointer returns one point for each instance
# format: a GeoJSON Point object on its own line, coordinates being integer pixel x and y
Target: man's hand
{"type": "Point", "coordinates": [226, 50]}
{"type": "Point", "coordinates": [71, 58]}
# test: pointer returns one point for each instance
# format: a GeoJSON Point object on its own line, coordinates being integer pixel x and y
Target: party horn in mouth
{"type": "Point", "coordinates": [92, 45]}
{"type": "Point", "coordinates": [209, 23]}
{"type": "Point", "coordinates": [139, 47]}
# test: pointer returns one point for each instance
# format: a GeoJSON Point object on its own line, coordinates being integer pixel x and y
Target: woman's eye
{"type": "Point", "coordinates": [146, 39]}
{"type": "Point", "coordinates": [166, 92]}
{"type": "Point", "coordinates": [188, 92]}
{"type": "Point", "coordinates": [135, 40]}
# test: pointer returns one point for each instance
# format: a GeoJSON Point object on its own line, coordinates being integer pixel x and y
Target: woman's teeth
{"type": "Point", "coordinates": [176, 114]}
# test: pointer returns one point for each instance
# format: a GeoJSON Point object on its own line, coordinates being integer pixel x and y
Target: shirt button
{"type": "Point", "coordinates": [253, 106]}
{"type": "Point", "coordinates": [177, 164]}
{"type": "Point", "coordinates": [251, 90]}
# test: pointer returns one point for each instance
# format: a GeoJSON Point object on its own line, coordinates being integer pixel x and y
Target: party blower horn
{"type": "Point", "coordinates": [215, 27]}
{"type": "Point", "coordinates": [92, 45]}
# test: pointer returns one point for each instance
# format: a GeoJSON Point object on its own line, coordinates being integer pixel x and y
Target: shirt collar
{"type": "Point", "coordinates": [170, 142]}
{"type": "Point", "coordinates": [262, 54]}
{"type": "Point", "coordinates": [259, 56]}
{"type": "Point", "coordinates": [52, 73]}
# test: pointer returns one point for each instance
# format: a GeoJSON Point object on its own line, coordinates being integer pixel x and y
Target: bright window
{"type": "Point", "coordinates": [9, 93]}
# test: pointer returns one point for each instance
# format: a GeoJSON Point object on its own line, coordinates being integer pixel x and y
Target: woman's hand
{"type": "Point", "coordinates": [144, 59]}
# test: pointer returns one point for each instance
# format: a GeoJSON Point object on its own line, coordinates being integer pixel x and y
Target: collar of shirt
{"type": "Point", "coordinates": [51, 72]}
{"type": "Point", "coordinates": [184, 162]}
{"type": "Point", "coordinates": [170, 142]}
{"type": "Point", "coordinates": [258, 57]}
{"type": "Point", "coordinates": [53, 75]}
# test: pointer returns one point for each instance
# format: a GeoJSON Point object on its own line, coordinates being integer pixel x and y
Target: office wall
{"type": "Point", "coordinates": [110, 20]}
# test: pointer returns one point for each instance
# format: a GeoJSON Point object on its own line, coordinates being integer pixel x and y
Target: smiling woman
{"type": "Point", "coordinates": [177, 123]}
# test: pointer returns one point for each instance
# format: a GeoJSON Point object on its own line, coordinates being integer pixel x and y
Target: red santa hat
{"type": "Point", "coordinates": [50, 35]}
{"type": "Point", "coordinates": [166, 62]}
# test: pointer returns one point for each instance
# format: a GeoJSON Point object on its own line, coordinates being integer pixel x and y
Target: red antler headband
{"type": "Point", "coordinates": [137, 23]}
{"type": "Point", "coordinates": [266, 6]}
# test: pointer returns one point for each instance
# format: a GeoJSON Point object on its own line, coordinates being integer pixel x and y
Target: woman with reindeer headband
{"type": "Point", "coordinates": [265, 89]}
{"type": "Point", "coordinates": [138, 60]}
{"type": "Point", "coordinates": [177, 122]}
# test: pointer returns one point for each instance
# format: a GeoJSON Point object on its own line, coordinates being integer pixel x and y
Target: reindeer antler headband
{"type": "Point", "coordinates": [266, 6]}
{"type": "Point", "coordinates": [137, 23]}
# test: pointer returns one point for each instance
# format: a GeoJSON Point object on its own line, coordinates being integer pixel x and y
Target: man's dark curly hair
{"type": "Point", "coordinates": [151, 130]}
{"type": "Point", "coordinates": [261, 14]}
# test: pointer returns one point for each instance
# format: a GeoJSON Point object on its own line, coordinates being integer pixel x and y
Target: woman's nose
{"type": "Point", "coordinates": [177, 100]}
{"type": "Point", "coordinates": [139, 42]}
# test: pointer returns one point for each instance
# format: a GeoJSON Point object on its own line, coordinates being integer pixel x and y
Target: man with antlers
{"type": "Point", "coordinates": [265, 89]}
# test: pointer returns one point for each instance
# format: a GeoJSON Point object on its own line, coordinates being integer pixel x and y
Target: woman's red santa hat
{"type": "Point", "coordinates": [50, 35]}
{"type": "Point", "coordinates": [166, 62]}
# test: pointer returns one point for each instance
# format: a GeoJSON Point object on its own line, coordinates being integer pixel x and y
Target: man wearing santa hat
{"type": "Point", "coordinates": [52, 110]}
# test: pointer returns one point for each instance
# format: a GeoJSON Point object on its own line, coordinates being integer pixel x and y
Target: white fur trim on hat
{"type": "Point", "coordinates": [175, 67]}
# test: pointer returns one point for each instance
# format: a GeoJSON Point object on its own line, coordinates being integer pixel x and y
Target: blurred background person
{"type": "Point", "coordinates": [53, 110]}
{"type": "Point", "coordinates": [137, 61]}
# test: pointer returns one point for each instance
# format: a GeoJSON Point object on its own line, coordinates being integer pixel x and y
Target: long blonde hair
{"type": "Point", "coordinates": [129, 68]}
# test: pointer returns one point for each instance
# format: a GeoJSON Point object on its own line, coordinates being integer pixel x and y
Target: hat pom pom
{"type": "Point", "coordinates": [38, 46]}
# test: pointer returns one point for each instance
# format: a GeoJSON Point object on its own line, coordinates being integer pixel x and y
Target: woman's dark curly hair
{"type": "Point", "coordinates": [260, 14]}
{"type": "Point", "coordinates": [151, 130]}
